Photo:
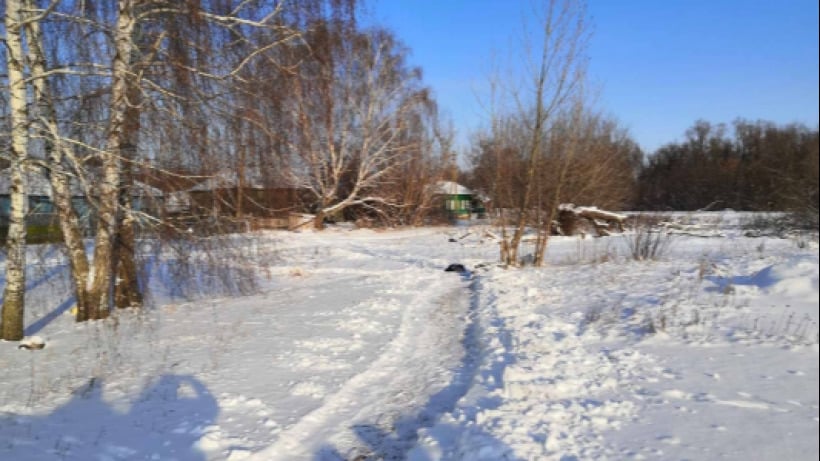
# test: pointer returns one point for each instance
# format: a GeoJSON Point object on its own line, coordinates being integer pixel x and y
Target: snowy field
{"type": "Point", "coordinates": [356, 345]}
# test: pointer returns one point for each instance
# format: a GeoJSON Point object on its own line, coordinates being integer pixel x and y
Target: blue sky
{"type": "Point", "coordinates": [658, 65]}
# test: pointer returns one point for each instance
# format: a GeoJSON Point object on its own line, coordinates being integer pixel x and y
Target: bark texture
{"type": "Point", "coordinates": [59, 157]}
{"type": "Point", "coordinates": [11, 321]}
{"type": "Point", "coordinates": [102, 275]}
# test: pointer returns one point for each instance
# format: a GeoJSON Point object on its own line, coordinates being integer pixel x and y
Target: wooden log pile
{"type": "Point", "coordinates": [572, 220]}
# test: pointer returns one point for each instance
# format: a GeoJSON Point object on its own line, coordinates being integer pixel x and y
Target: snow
{"type": "Point", "coordinates": [612, 216]}
{"type": "Point", "coordinates": [32, 342]}
{"type": "Point", "coordinates": [226, 179]}
{"type": "Point", "coordinates": [452, 188]}
{"type": "Point", "coordinates": [355, 344]}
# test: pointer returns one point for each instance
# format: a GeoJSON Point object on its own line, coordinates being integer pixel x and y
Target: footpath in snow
{"type": "Point", "coordinates": [710, 354]}
{"type": "Point", "coordinates": [354, 341]}
{"type": "Point", "coordinates": [357, 345]}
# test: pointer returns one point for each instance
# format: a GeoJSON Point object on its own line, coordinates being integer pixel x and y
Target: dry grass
{"type": "Point", "coordinates": [647, 241]}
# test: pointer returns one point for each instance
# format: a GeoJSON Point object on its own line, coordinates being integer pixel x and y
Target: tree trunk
{"type": "Point", "coordinates": [532, 162]}
{"type": "Point", "coordinates": [126, 288]}
{"type": "Point", "coordinates": [11, 321]}
{"type": "Point", "coordinates": [240, 183]}
{"type": "Point", "coordinates": [57, 157]}
{"type": "Point", "coordinates": [127, 292]}
{"type": "Point", "coordinates": [606, 216]}
{"type": "Point", "coordinates": [100, 285]}
{"type": "Point", "coordinates": [566, 161]}
{"type": "Point", "coordinates": [319, 220]}
{"type": "Point", "coordinates": [545, 231]}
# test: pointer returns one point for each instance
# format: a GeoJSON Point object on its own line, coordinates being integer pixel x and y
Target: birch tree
{"type": "Point", "coordinates": [100, 279]}
{"type": "Point", "coordinates": [59, 158]}
{"type": "Point", "coordinates": [11, 321]}
{"type": "Point", "coordinates": [354, 102]}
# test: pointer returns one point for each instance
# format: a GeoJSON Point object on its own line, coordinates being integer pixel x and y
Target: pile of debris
{"type": "Point", "coordinates": [577, 220]}
{"type": "Point", "coordinates": [587, 220]}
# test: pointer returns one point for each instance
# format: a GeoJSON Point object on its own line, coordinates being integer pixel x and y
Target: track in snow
{"type": "Point", "coordinates": [394, 445]}
{"type": "Point", "coordinates": [421, 374]}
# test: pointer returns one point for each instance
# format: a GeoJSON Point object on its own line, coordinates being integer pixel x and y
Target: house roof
{"type": "Point", "coordinates": [452, 188]}
{"type": "Point", "coordinates": [254, 179]}
{"type": "Point", "coordinates": [178, 201]}
{"type": "Point", "coordinates": [36, 182]}
{"type": "Point", "coordinates": [38, 185]}
{"type": "Point", "coordinates": [226, 179]}
{"type": "Point", "coordinates": [140, 189]}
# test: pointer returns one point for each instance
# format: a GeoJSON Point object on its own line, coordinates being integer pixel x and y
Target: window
{"type": "Point", "coordinates": [40, 204]}
{"type": "Point", "coordinates": [5, 205]}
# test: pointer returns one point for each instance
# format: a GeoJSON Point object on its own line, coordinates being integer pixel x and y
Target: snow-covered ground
{"type": "Point", "coordinates": [355, 344]}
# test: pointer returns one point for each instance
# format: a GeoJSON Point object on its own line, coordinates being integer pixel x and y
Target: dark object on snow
{"type": "Point", "coordinates": [452, 240]}
{"type": "Point", "coordinates": [456, 268]}
{"type": "Point", "coordinates": [33, 343]}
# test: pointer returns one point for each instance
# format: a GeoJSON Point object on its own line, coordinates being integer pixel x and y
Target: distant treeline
{"type": "Point", "coordinates": [757, 166]}
{"type": "Point", "coordinates": [590, 160]}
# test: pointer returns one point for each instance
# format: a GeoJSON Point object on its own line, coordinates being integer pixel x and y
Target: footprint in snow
{"type": "Point", "coordinates": [669, 440]}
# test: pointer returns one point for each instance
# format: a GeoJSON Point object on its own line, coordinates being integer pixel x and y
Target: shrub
{"type": "Point", "coordinates": [647, 241]}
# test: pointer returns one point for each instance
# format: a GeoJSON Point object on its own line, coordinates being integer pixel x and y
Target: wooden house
{"type": "Point", "coordinates": [459, 202]}
{"type": "Point", "coordinates": [222, 195]}
{"type": "Point", "coordinates": [144, 198]}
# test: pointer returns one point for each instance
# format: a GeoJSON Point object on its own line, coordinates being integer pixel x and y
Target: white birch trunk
{"type": "Point", "coordinates": [57, 157]}
{"type": "Point", "coordinates": [11, 321]}
{"type": "Point", "coordinates": [101, 283]}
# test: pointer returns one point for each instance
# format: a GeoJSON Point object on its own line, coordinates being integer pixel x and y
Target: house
{"type": "Point", "coordinates": [144, 198]}
{"type": "Point", "coordinates": [221, 195]}
{"type": "Point", "coordinates": [178, 202]}
{"type": "Point", "coordinates": [38, 190]}
{"type": "Point", "coordinates": [460, 202]}
{"type": "Point", "coordinates": [147, 199]}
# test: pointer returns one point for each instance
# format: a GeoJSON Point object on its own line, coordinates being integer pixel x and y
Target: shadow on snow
{"type": "Point", "coordinates": [160, 280]}
{"type": "Point", "coordinates": [164, 422]}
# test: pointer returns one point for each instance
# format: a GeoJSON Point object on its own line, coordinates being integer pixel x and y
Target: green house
{"type": "Point", "coordinates": [41, 218]}
{"type": "Point", "coordinates": [460, 203]}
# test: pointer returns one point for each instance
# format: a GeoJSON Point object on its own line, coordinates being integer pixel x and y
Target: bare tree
{"type": "Point", "coordinates": [558, 69]}
{"type": "Point", "coordinates": [605, 166]}
{"type": "Point", "coordinates": [105, 84]}
{"type": "Point", "coordinates": [564, 161]}
{"type": "Point", "coordinates": [425, 167]}
{"type": "Point", "coordinates": [174, 88]}
{"type": "Point", "coordinates": [101, 276]}
{"type": "Point", "coordinates": [355, 102]}
{"type": "Point", "coordinates": [756, 166]}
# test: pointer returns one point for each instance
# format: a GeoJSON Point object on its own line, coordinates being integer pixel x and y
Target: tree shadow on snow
{"type": "Point", "coordinates": [173, 279]}
{"type": "Point", "coordinates": [761, 279]}
{"type": "Point", "coordinates": [165, 422]}
{"type": "Point", "coordinates": [37, 275]}
{"type": "Point", "coordinates": [41, 323]}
